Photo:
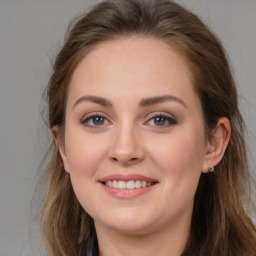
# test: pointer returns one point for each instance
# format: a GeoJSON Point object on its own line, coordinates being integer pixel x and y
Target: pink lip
{"type": "Point", "coordinates": [127, 193]}
{"type": "Point", "coordinates": [127, 177]}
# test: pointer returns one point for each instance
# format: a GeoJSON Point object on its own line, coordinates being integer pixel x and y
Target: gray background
{"type": "Point", "coordinates": [31, 32]}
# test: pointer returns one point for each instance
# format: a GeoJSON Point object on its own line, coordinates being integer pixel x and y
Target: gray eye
{"type": "Point", "coordinates": [98, 120]}
{"type": "Point", "coordinates": [160, 120]}
{"type": "Point", "coordinates": [95, 120]}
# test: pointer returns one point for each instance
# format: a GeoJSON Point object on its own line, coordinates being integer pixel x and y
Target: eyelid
{"type": "Point", "coordinates": [172, 120]}
{"type": "Point", "coordinates": [91, 115]}
{"type": "Point", "coordinates": [161, 114]}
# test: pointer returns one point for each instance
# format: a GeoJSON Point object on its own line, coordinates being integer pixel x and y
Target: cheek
{"type": "Point", "coordinates": [84, 153]}
{"type": "Point", "coordinates": [180, 162]}
{"type": "Point", "coordinates": [180, 153]}
{"type": "Point", "coordinates": [180, 165]}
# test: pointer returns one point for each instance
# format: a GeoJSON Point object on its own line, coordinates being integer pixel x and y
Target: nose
{"type": "Point", "coordinates": [127, 147]}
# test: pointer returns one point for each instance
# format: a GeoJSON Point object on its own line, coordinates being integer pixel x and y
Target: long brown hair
{"type": "Point", "coordinates": [220, 223]}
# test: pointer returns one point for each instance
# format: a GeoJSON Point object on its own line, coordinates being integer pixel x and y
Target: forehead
{"type": "Point", "coordinates": [133, 65]}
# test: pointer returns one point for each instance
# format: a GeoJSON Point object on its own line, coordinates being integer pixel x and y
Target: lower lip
{"type": "Point", "coordinates": [127, 193]}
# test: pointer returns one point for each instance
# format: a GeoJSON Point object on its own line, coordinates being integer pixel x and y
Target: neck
{"type": "Point", "coordinates": [169, 241]}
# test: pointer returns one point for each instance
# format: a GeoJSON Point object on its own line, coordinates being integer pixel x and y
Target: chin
{"type": "Point", "coordinates": [128, 221]}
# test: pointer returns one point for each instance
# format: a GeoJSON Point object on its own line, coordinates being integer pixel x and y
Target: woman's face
{"type": "Point", "coordinates": [134, 136]}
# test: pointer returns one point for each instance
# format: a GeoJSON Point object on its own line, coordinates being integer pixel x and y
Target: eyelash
{"type": "Point", "coordinates": [171, 121]}
{"type": "Point", "coordinates": [85, 121]}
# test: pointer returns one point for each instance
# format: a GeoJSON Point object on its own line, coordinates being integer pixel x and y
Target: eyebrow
{"type": "Point", "coordinates": [145, 102]}
{"type": "Point", "coordinates": [95, 99]}
{"type": "Point", "coordinates": [160, 99]}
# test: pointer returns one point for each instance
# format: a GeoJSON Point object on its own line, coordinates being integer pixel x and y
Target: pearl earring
{"type": "Point", "coordinates": [211, 168]}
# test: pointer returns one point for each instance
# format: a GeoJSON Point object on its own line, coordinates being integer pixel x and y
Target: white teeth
{"type": "Point", "coordinates": [149, 184]}
{"type": "Point", "coordinates": [121, 184]}
{"type": "Point", "coordinates": [138, 184]}
{"type": "Point", "coordinates": [131, 184]}
{"type": "Point", "coordinates": [115, 184]}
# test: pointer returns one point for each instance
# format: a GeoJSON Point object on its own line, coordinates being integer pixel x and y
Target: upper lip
{"type": "Point", "coordinates": [127, 177]}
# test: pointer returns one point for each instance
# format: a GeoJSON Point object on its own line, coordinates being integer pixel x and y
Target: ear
{"type": "Point", "coordinates": [56, 136]}
{"type": "Point", "coordinates": [217, 144]}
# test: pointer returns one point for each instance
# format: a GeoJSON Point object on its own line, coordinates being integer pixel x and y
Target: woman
{"type": "Point", "coordinates": [149, 153]}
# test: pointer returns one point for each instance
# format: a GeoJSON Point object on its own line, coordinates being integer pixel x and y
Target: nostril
{"type": "Point", "coordinates": [114, 159]}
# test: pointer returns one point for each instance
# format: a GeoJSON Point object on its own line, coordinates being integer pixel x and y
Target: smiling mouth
{"type": "Point", "coordinates": [130, 184]}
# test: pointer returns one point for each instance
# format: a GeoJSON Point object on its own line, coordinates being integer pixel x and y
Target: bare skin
{"type": "Point", "coordinates": [132, 110]}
